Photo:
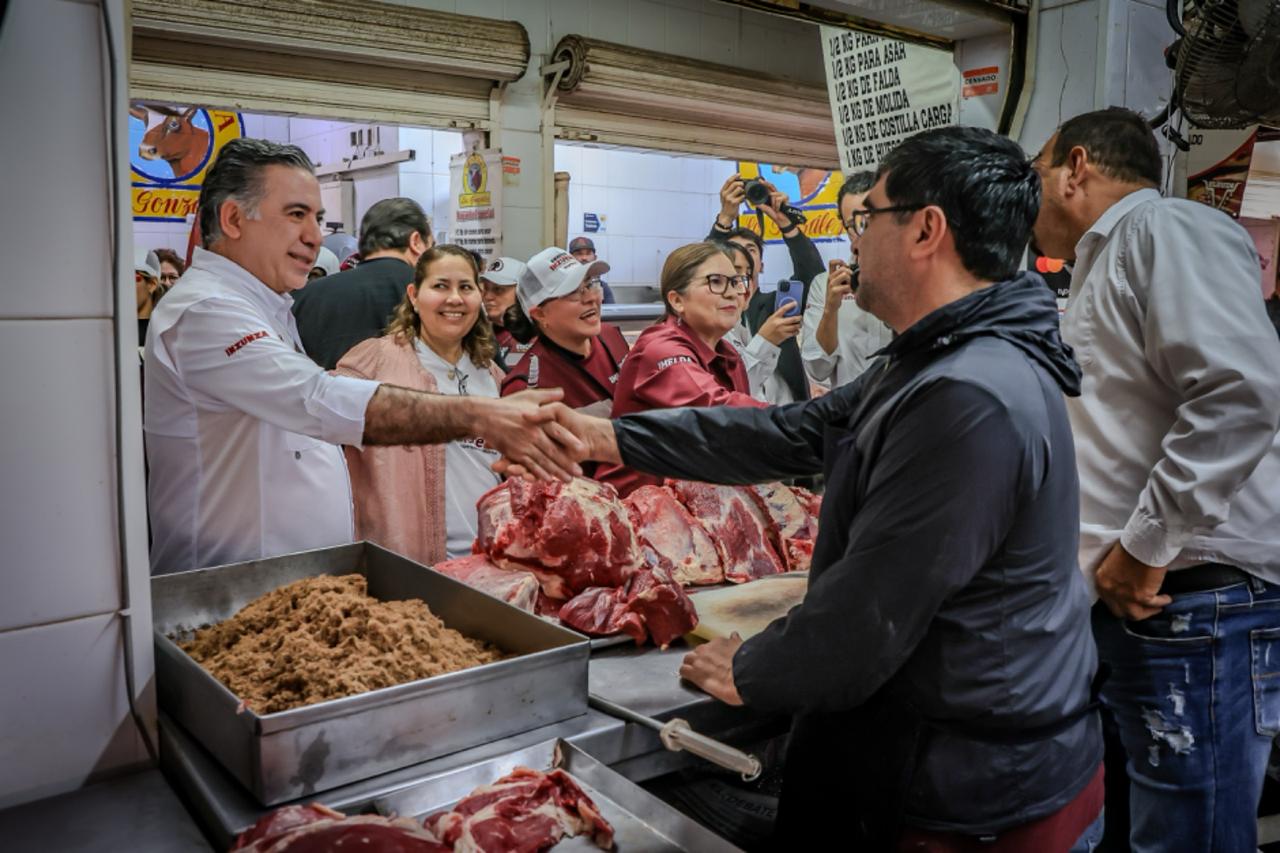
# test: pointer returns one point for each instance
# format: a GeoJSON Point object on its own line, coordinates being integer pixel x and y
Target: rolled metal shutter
{"type": "Point", "coordinates": [326, 58]}
{"type": "Point", "coordinates": [625, 96]}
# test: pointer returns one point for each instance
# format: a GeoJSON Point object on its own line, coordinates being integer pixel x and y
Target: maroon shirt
{"type": "Point", "coordinates": [584, 380]}
{"type": "Point", "coordinates": [670, 367]}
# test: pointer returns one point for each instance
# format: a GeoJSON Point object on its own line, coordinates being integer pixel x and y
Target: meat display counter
{"type": "Point", "coordinates": [645, 680]}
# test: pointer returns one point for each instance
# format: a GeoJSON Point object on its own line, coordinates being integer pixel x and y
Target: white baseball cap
{"type": "Point", "coordinates": [503, 272]}
{"type": "Point", "coordinates": [146, 261]}
{"type": "Point", "coordinates": [553, 272]}
{"type": "Point", "coordinates": [327, 261]}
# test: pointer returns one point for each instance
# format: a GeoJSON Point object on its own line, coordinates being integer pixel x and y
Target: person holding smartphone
{"type": "Point", "coordinates": [767, 339]}
{"type": "Point", "coordinates": [839, 337]}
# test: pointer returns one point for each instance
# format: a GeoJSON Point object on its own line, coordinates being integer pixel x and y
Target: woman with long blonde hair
{"type": "Point", "coordinates": [421, 501]}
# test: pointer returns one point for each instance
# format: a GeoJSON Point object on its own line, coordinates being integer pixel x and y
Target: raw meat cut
{"type": "Point", "coordinates": [570, 535]}
{"type": "Point", "coordinates": [792, 526]}
{"type": "Point", "coordinates": [314, 828]}
{"type": "Point", "coordinates": [736, 525]}
{"type": "Point", "coordinates": [517, 588]}
{"type": "Point", "coordinates": [525, 811]}
{"type": "Point", "coordinates": [671, 539]}
{"type": "Point", "coordinates": [649, 604]}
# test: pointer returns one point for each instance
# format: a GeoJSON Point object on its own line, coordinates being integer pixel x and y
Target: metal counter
{"type": "Point", "coordinates": [642, 679]}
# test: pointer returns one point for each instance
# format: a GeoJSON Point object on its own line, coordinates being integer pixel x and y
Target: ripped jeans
{"type": "Point", "coordinates": [1195, 691]}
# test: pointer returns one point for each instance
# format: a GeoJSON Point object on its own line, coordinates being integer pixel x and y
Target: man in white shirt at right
{"type": "Point", "coordinates": [1179, 461]}
{"type": "Point", "coordinates": [839, 338]}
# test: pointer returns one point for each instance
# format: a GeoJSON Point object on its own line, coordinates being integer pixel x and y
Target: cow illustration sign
{"type": "Point", "coordinates": [170, 148]}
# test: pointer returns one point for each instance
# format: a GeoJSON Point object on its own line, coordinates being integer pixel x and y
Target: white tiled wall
{"type": "Point", "coordinates": [650, 204]}
{"type": "Point", "coordinates": [66, 720]}
{"type": "Point", "coordinates": [64, 710]}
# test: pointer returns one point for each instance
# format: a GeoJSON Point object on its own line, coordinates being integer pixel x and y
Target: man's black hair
{"type": "Point", "coordinates": [391, 223]}
{"type": "Point", "coordinates": [732, 249]}
{"type": "Point", "coordinates": [984, 184]}
{"type": "Point", "coordinates": [855, 184]}
{"type": "Point", "coordinates": [1119, 141]}
{"type": "Point", "coordinates": [236, 174]}
{"type": "Point", "coordinates": [745, 233]}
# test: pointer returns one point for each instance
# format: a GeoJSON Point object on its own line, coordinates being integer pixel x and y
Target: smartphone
{"type": "Point", "coordinates": [788, 292]}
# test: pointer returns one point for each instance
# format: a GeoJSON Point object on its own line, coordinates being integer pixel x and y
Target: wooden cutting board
{"type": "Point", "coordinates": [746, 608]}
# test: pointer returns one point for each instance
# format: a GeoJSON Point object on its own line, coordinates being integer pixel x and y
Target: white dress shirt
{"type": "Point", "coordinates": [1176, 428]}
{"type": "Point", "coordinates": [242, 428]}
{"type": "Point", "coordinates": [467, 471]}
{"type": "Point", "coordinates": [860, 335]}
{"type": "Point", "coordinates": [760, 359]}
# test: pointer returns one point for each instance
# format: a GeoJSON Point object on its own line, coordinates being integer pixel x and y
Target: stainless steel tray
{"type": "Point", "coordinates": [641, 821]}
{"type": "Point", "coordinates": [296, 753]}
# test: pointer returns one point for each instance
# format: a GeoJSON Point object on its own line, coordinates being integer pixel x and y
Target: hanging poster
{"type": "Point", "coordinates": [170, 149]}
{"type": "Point", "coordinates": [1218, 167]}
{"type": "Point", "coordinates": [475, 201]}
{"type": "Point", "coordinates": [884, 90]}
{"type": "Point", "coordinates": [811, 190]}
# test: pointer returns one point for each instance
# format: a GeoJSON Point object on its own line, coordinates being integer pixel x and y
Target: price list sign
{"type": "Point", "coordinates": [882, 91]}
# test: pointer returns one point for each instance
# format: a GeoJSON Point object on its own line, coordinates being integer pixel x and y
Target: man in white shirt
{"type": "Point", "coordinates": [242, 428]}
{"type": "Point", "coordinates": [839, 337]}
{"type": "Point", "coordinates": [1179, 460]}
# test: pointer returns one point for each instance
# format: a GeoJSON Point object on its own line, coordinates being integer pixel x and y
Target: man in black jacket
{"type": "Point", "coordinates": [939, 668]}
{"type": "Point", "coordinates": [770, 337]}
{"type": "Point", "coordinates": [337, 312]}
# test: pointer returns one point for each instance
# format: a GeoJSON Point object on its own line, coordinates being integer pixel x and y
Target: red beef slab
{"type": "Point", "coordinates": [792, 527]}
{"type": "Point", "coordinates": [650, 604]}
{"type": "Point", "coordinates": [671, 539]}
{"type": "Point", "coordinates": [736, 525]}
{"type": "Point", "coordinates": [571, 535]}
{"type": "Point", "coordinates": [527, 811]}
{"type": "Point", "coordinates": [517, 588]}
{"type": "Point", "coordinates": [314, 828]}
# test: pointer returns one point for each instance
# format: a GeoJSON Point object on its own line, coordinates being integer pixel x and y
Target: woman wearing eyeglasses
{"type": "Point", "coordinates": [574, 350]}
{"type": "Point", "coordinates": [439, 340]}
{"type": "Point", "coordinates": [685, 359]}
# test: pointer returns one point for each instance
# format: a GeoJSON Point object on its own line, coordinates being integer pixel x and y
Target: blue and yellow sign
{"type": "Point", "coordinates": [170, 148]}
{"type": "Point", "coordinates": [811, 190]}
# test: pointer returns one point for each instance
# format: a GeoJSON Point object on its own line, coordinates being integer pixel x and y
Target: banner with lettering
{"type": "Point", "coordinates": [884, 90]}
{"type": "Point", "coordinates": [475, 201]}
{"type": "Point", "coordinates": [170, 149]}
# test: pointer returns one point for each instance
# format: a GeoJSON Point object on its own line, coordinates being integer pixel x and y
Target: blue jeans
{"type": "Point", "coordinates": [1195, 691]}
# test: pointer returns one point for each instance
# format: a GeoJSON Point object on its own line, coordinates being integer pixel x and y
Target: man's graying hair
{"type": "Point", "coordinates": [236, 175]}
{"type": "Point", "coordinates": [390, 223]}
{"type": "Point", "coordinates": [985, 186]}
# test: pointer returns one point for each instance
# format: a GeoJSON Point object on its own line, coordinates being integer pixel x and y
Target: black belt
{"type": "Point", "coordinates": [1203, 577]}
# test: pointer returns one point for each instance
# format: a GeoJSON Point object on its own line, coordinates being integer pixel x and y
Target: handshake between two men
{"type": "Point", "coordinates": [541, 438]}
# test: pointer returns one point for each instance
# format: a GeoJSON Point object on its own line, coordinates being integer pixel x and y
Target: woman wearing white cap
{"type": "Point", "coordinates": [146, 286]}
{"type": "Point", "coordinates": [499, 281]}
{"type": "Point", "coordinates": [574, 350]}
{"type": "Point", "coordinates": [439, 341]}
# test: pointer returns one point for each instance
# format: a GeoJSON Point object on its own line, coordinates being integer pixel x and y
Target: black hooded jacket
{"type": "Point", "coordinates": [940, 665]}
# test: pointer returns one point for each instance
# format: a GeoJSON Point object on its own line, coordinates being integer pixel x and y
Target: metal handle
{"type": "Point", "coordinates": [676, 735]}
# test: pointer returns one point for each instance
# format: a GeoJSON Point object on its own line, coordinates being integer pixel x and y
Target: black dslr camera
{"type": "Point", "coordinates": [758, 194]}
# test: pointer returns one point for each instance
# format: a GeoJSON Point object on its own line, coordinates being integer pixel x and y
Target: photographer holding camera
{"type": "Point", "coordinates": [770, 351]}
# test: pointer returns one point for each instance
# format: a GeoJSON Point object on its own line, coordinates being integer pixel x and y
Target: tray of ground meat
{"type": "Point", "coordinates": [552, 796]}
{"type": "Point", "coordinates": [309, 671]}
